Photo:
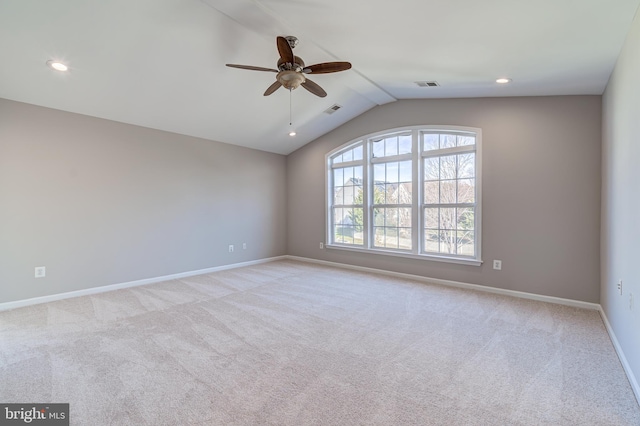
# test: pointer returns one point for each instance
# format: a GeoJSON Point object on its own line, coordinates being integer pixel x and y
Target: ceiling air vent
{"type": "Point", "coordinates": [333, 108]}
{"type": "Point", "coordinates": [427, 83]}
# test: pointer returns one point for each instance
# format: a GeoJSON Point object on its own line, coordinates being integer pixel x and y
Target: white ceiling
{"type": "Point", "coordinates": [160, 63]}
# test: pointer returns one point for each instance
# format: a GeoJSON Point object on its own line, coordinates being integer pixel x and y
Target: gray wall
{"type": "Point", "coordinates": [621, 199]}
{"type": "Point", "coordinates": [98, 202]}
{"type": "Point", "coordinates": [541, 191]}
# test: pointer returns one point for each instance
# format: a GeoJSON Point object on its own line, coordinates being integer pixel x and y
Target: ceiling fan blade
{"type": "Point", "coordinates": [327, 67]}
{"type": "Point", "coordinates": [275, 86]}
{"type": "Point", "coordinates": [314, 88]}
{"type": "Point", "coordinates": [284, 49]}
{"type": "Point", "coordinates": [251, 67]}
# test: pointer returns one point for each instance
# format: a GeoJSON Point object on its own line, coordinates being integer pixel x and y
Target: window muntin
{"type": "Point", "coordinates": [354, 154]}
{"type": "Point", "coordinates": [418, 194]}
{"type": "Point", "coordinates": [390, 145]}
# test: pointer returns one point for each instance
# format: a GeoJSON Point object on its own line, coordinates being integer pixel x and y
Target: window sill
{"type": "Point", "coordinates": [457, 260]}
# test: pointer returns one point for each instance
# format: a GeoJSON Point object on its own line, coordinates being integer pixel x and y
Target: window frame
{"type": "Point", "coordinates": [417, 157]}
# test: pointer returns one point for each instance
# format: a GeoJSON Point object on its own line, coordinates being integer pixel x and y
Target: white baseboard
{"type": "Point", "coordinates": [96, 290]}
{"type": "Point", "coordinates": [502, 291]}
{"type": "Point", "coordinates": [623, 359]}
{"type": "Point", "coordinates": [102, 289]}
{"type": "Point", "coordinates": [568, 302]}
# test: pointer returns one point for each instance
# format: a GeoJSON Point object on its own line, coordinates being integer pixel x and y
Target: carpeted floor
{"type": "Point", "coordinates": [291, 343]}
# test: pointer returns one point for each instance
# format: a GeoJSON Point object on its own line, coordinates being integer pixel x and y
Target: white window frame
{"type": "Point", "coordinates": [417, 156]}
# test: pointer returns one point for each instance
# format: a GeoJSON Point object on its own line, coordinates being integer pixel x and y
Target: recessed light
{"type": "Point", "coordinates": [292, 133]}
{"type": "Point", "coordinates": [57, 65]}
{"type": "Point", "coordinates": [503, 80]}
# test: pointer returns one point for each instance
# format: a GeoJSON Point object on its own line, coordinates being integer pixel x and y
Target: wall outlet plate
{"type": "Point", "coordinates": [40, 272]}
{"type": "Point", "coordinates": [497, 265]}
{"type": "Point", "coordinates": [230, 248]}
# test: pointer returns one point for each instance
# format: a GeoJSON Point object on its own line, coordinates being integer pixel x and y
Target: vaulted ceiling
{"type": "Point", "coordinates": [161, 63]}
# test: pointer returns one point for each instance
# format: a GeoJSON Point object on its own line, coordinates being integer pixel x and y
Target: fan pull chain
{"type": "Point", "coordinates": [291, 131]}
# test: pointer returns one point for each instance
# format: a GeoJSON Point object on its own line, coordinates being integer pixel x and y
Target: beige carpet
{"type": "Point", "coordinates": [290, 343]}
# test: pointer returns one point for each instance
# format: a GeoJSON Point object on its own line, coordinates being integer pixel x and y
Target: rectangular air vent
{"type": "Point", "coordinates": [332, 109]}
{"type": "Point", "coordinates": [427, 83]}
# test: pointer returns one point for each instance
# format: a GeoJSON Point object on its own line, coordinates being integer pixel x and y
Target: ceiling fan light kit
{"type": "Point", "coordinates": [290, 79]}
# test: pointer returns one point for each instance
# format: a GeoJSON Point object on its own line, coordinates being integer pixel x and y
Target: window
{"type": "Point", "coordinates": [410, 192]}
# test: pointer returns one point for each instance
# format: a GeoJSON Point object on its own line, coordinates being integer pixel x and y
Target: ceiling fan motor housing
{"type": "Point", "coordinates": [298, 64]}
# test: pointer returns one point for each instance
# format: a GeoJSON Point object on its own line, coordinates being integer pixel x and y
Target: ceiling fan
{"type": "Point", "coordinates": [292, 70]}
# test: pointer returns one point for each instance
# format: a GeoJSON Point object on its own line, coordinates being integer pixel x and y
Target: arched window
{"type": "Point", "coordinates": [411, 192]}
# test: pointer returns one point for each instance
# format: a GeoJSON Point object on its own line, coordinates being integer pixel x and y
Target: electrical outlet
{"type": "Point", "coordinates": [497, 265]}
{"type": "Point", "coordinates": [230, 248]}
{"type": "Point", "coordinates": [244, 246]}
{"type": "Point", "coordinates": [620, 287]}
{"type": "Point", "coordinates": [41, 272]}
{"type": "Point", "coordinates": [321, 246]}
